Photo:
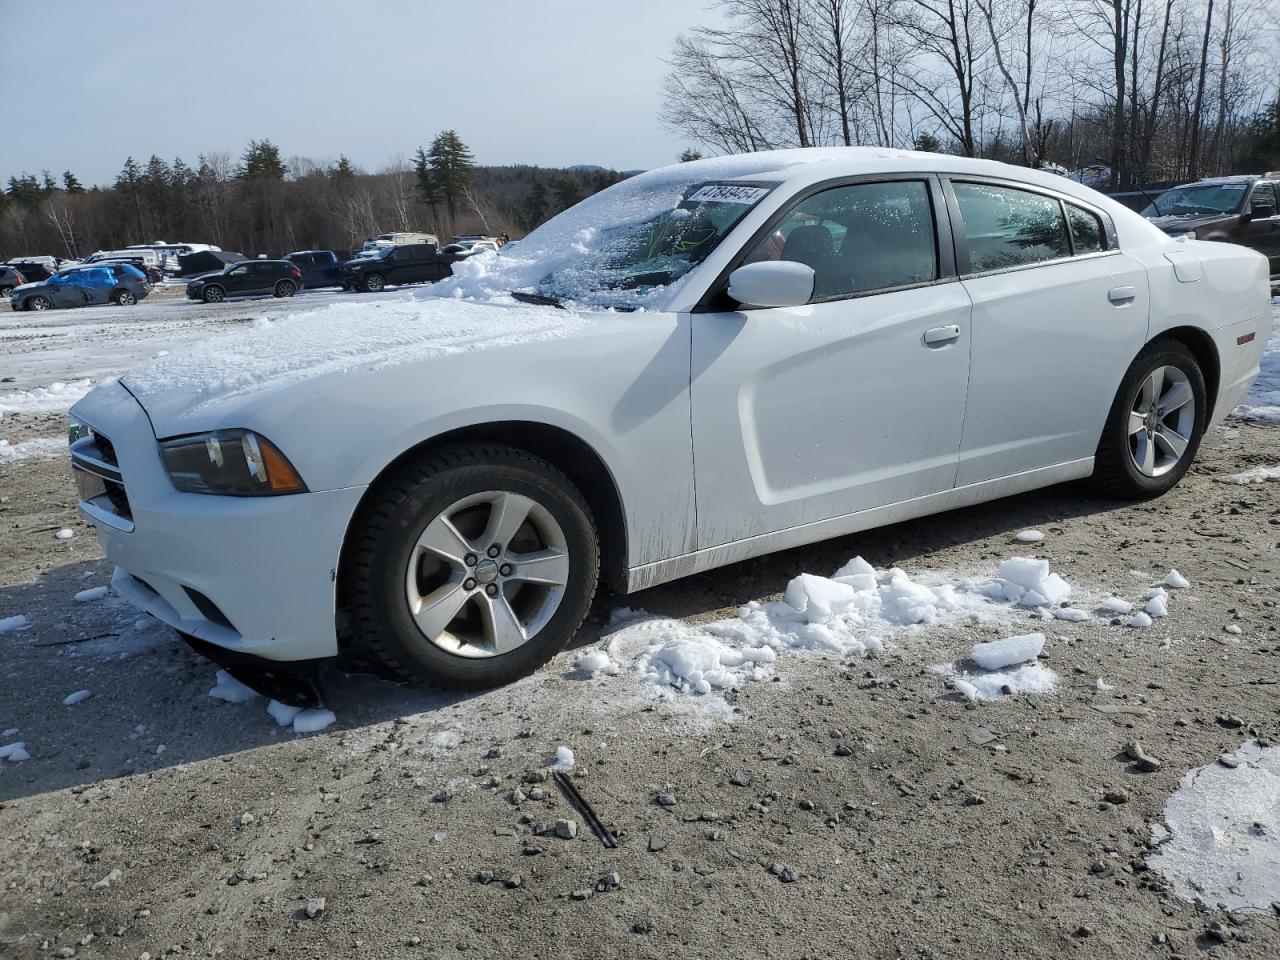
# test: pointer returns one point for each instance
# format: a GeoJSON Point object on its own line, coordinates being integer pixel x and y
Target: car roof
{"type": "Point", "coordinates": [1235, 178]}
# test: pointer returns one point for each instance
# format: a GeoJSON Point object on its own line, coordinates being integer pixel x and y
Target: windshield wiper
{"type": "Point", "coordinates": [537, 298]}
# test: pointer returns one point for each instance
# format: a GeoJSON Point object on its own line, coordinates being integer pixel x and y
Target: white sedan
{"type": "Point", "coordinates": [702, 364]}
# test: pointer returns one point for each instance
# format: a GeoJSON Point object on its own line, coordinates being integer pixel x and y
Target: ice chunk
{"type": "Point", "coordinates": [1054, 589]}
{"type": "Point", "coordinates": [1029, 536]}
{"type": "Point", "coordinates": [1158, 605]}
{"type": "Point", "coordinates": [905, 602]}
{"type": "Point", "coordinates": [313, 720]}
{"type": "Point", "coordinates": [597, 662]}
{"type": "Point", "coordinates": [1103, 685]}
{"type": "Point", "coordinates": [817, 598]}
{"type": "Point", "coordinates": [1176, 581]}
{"type": "Point", "coordinates": [230, 689]}
{"type": "Point", "coordinates": [64, 534]}
{"type": "Point", "coordinates": [18, 622]}
{"type": "Point", "coordinates": [1029, 678]}
{"type": "Point", "coordinates": [1139, 620]}
{"type": "Point", "coordinates": [93, 593]}
{"type": "Point", "coordinates": [857, 567]}
{"type": "Point", "coordinates": [1070, 614]}
{"type": "Point", "coordinates": [1026, 572]}
{"type": "Point", "coordinates": [445, 739]}
{"type": "Point", "coordinates": [282, 713]}
{"type": "Point", "coordinates": [1004, 653]}
{"type": "Point", "coordinates": [15, 752]}
{"type": "Point", "coordinates": [1116, 605]}
{"type": "Point", "coordinates": [74, 698]}
{"type": "Point", "coordinates": [564, 759]}
{"type": "Point", "coordinates": [965, 688]}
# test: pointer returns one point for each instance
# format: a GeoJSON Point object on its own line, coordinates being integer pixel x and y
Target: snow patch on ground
{"type": "Point", "coordinates": [90, 595]}
{"type": "Point", "coordinates": [1256, 475]}
{"type": "Point", "coordinates": [15, 752]}
{"type": "Point", "coordinates": [57, 397]}
{"type": "Point", "coordinates": [1220, 840]}
{"type": "Point", "coordinates": [73, 698]}
{"type": "Point", "coordinates": [17, 622]}
{"type": "Point", "coordinates": [38, 448]}
{"type": "Point", "coordinates": [228, 688]}
{"type": "Point", "coordinates": [1030, 678]}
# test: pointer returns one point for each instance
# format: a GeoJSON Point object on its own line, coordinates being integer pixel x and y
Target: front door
{"type": "Point", "coordinates": [1059, 313]}
{"type": "Point", "coordinates": [1262, 230]}
{"type": "Point", "coordinates": [853, 401]}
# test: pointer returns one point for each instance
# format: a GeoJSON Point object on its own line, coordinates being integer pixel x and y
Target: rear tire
{"type": "Point", "coordinates": [5, 291]}
{"type": "Point", "coordinates": [285, 288]}
{"type": "Point", "coordinates": [1156, 421]}
{"type": "Point", "coordinates": [470, 567]}
{"type": "Point", "coordinates": [213, 294]}
{"type": "Point", "coordinates": [375, 283]}
{"type": "Point", "coordinates": [124, 298]}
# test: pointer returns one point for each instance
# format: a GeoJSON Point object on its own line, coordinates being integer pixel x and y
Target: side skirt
{"type": "Point", "coordinates": [652, 574]}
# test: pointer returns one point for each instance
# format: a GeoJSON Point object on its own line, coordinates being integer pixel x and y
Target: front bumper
{"type": "Point", "coordinates": [252, 575]}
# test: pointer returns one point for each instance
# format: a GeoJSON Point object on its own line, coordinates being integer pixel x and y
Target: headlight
{"type": "Point", "coordinates": [77, 429]}
{"type": "Point", "coordinates": [230, 463]}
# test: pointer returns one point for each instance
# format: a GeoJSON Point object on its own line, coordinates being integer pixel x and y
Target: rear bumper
{"type": "Point", "coordinates": [252, 575]}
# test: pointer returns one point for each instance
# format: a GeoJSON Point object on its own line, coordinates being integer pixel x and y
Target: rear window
{"type": "Point", "coordinates": [1086, 230]}
{"type": "Point", "coordinates": [1006, 227]}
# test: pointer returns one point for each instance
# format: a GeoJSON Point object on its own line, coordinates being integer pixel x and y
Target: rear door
{"type": "Point", "coordinates": [1059, 313]}
{"type": "Point", "coordinates": [1260, 231]}
{"type": "Point", "coordinates": [853, 401]}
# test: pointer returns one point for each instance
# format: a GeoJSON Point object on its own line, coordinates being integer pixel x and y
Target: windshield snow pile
{"type": "Point", "coordinates": [589, 254]}
{"type": "Point", "coordinates": [341, 338]}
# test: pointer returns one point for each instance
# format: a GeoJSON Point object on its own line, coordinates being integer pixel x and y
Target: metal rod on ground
{"type": "Point", "coordinates": [580, 804]}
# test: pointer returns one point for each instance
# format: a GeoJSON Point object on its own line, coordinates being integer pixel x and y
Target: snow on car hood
{"type": "Point", "coordinates": [340, 338]}
{"type": "Point", "coordinates": [574, 234]}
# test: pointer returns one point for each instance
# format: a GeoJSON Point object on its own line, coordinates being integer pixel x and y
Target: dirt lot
{"type": "Point", "coordinates": [842, 809]}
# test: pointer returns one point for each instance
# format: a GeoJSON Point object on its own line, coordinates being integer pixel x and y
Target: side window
{"type": "Point", "coordinates": [1007, 227]}
{"type": "Point", "coordinates": [859, 238]}
{"type": "Point", "coordinates": [1086, 230]}
{"type": "Point", "coordinates": [1264, 193]}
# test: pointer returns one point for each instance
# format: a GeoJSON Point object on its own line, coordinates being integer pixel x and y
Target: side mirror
{"type": "Point", "coordinates": [774, 283]}
{"type": "Point", "coordinates": [1262, 211]}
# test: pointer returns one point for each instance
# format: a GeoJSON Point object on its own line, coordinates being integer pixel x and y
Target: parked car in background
{"type": "Point", "coordinates": [81, 286]}
{"type": "Point", "coordinates": [170, 252]}
{"type": "Point", "coordinates": [383, 240]}
{"type": "Point", "coordinates": [389, 266]}
{"type": "Point", "coordinates": [320, 268]}
{"type": "Point", "coordinates": [760, 352]}
{"type": "Point", "coordinates": [252, 278]}
{"type": "Point", "coordinates": [10, 277]}
{"type": "Point", "coordinates": [33, 270]}
{"type": "Point", "coordinates": [1243, 209]}
{"type": "Point", "coordinates": [201, 262]}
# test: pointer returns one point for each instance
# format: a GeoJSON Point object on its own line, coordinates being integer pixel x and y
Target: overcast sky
{"type": "Point", "coordinates": [551, 82]}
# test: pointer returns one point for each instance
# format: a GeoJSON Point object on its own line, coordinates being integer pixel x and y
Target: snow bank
{"type": "Point", "coordinates": [38, 448]}
{"type": "Point", "coordinates": [342, 338]}
{"type": "Point", "coordinates": [1263, 401]}
{"type": "Point", "coordinates": [1244, 478]}
{"type": "Point", "coordinates": [1220, 840]}
{"type": "Point", "coordinates": [57, 397]}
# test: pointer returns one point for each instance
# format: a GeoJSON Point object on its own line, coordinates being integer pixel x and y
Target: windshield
{"type": "Point", "coordinates": [1197, 200]}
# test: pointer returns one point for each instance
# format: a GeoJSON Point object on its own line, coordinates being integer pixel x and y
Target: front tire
{"type": "Point", "coordinates": [470, 567]}
{"type": "Point", "coordinates": [375, 283]}
{"type": "Point", "coordinates": [1155, 425]}
{"type": "Point", "coordinates": [213, 294]}
{"type": "Point", "coordinates": [285, 288]}
{"type": "Point", "coordinates": [39, 303]}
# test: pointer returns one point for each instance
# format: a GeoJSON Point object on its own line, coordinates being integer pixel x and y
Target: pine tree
{"type": "Point", "coordinates": [424, 182]}
{"type": "Point", "coordinates": [129, 187]}
{"type": "Point", "coordinates": [689, 154]}
{"type": "Point", "coordinates": [261, 161]}
{"type": "Point", "coordinates": [48, 185]}
{"type": "Point", "coordinates": [70, 183]}
{"type": "Point", "coordinates": [568, 191]}
{"type": "Point", "coordinates": [343, 173]}
{"type": "Point", "coordinates": [928, 143]}
{"type": "Point", "coordinates": [25, 191]}
{"type": "Point", "coordinates": [451, 164]}
{"type": "Point", "coordinates": [533, 209]}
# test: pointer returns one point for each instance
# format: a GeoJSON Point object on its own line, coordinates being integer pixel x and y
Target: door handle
{"type": "Point", "coordinates": [946, 334]}
{"type": "Point", "coordinates": [1122, 295]}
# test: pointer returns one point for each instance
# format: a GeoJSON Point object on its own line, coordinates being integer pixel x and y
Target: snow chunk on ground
{"type": "Point", "coordinates": [1070, 614]}
{"type": "Point", "coordinates": [38, 448]}
{"type": "Point", "coordinates": [1158, 605]}
{"type": "Point", "coordinates": [64, 534]}
{"type": "Point", "coordinates": [313, 720]}
{"type": "Point", "coordinates": [15, 752]}
{"type": "Point", "coordinates": [693, 660]}
{"type": "Point", "coordinates": [17, 622]}
{"type": "Point", "coordinates": [1256, 475]}
{"type": "Point", "coordinates": [1139, 621]}
{"type": "Point", "coordinates": [230, 689]}
{"type": "Point", "coordinates": [93, 593]}
{"type": "Point", "coordinates": [596, 663]}
{"type": "Point", "coordinates": [57, 397]}
{"type": "Point", "coordinates": [1005, 653]}
{"type": "Point", "coordinates": [445, 739]}
{"type": "Point", "coordinates": [564, 759]}
{"type": "Point", "coordinates": [77, 697]}
{"type": "Point", "coordinates": [1116, 605]}
{"type": "Point", "coordinates": [1176, 581]}
{"type": "Point", "coordinates": [282, 713]}
{"type": "Point", "coordinates": [1220, 840]}
{"type": "Point", "coordinates": [1031, 678]}
{"type": "Point", "coordinates": [1029, 536]}
{"type": "Point", "coordinates": [1027, 582]}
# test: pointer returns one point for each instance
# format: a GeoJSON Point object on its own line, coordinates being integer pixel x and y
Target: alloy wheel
{"type": "Point", "coordinates": [487, 574]}
{"type": "Point", "coordinates": [39, 303]}
{"type": "Point", "coordinates": [1161, 421]}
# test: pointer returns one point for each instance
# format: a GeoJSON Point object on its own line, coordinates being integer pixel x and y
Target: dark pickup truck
{"type": "Point", "coordinates": [320, 268]}
{"type": "Point", "coordinates": [1242, 209]}
{"type": "Point", "coordinates": [407, 263]}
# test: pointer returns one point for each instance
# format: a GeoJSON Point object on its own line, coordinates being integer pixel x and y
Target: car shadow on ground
{"type": "Point", "coordinates": [149, 706]}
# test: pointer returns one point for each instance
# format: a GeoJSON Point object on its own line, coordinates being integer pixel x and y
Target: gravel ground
{"type": "Point", "coordinates": [854, 809]}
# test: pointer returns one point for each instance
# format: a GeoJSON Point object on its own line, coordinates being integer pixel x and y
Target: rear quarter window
{"type": "Point", "coordinates": [1086, 230]}
{"type": "Point", "coordinates": [1006, 227]}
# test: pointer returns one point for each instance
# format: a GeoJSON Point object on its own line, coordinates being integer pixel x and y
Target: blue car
{"type": "Point", "coordinates": [118, 283]}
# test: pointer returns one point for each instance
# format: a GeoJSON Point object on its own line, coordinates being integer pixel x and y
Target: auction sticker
{"type": "Point", "coordinates": [727, 193]}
